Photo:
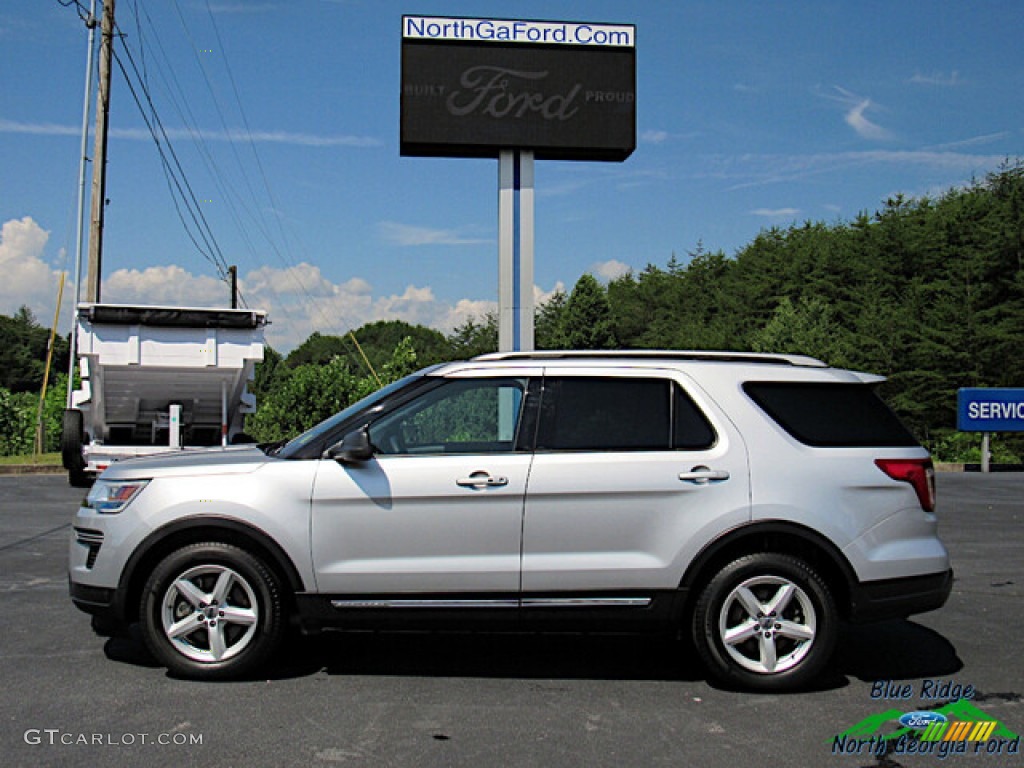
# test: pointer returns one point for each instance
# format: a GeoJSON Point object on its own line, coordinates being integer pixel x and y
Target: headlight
{"type": "Point", "coordinates": [108, 497]}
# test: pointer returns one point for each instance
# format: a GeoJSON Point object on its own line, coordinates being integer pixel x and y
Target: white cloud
{"type": "Point", "coordinates": [609, 270]}
{"type": "Point", "coordinates": [298, 300]}
{"type": "Point", "coordinates": [752, 170]}
{"type": "Point", "coordinates": [659, 136]}
{"type": "Point", "coordinates": [937, 78]}
{"type": "Point", "coordinates": [247, 7]}
{"type": "Point", "coordinates": [855, 116]}
{"type": "Point", "coordinates": [405, 235]}
{"type": "Point", "coordinates": [776, 213]}
{"type": "Point", "coordinates": [540, 296]}
{"type": "Point", "coordinates": [235, 135]}
{"type": "Point", "coordinates": [27, 279]}
{"type": "Point", "coordinates": [169, 285]}
{"type": "Point", "coordinates": [865, 128]}
{"type": "Point", "coordinates": [973, 141]}
{"type": "Point", "coordinates": [654, 136]}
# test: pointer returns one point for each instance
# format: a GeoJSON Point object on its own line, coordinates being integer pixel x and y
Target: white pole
{"type": "Point", "coordinates": [525, 255]}
{"type": "Point", "coordinates": [506, 250]}
{"type": "Point", "coordinates": [174, 426]}
{"type": "Point", "coordinates": [986, 454]}
{"type": "Point", "coordinates": [515, 250]}
{"type": "Point", "coordinates": [72, 350]}
{"type": "Point", "coordinates": [223, 413]}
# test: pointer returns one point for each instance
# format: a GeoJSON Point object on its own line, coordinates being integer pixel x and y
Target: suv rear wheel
{"type": "Point", "coordinates": [766, 622]}
{"type": "Point", "coordinates": [211, 611]}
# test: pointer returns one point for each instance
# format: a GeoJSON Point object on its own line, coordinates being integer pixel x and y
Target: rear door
{"type": "Point", "coordinates": [633, 472]}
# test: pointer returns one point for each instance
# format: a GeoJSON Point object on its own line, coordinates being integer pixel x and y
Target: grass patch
{"type": "Point", "coordinates": [45, 459]}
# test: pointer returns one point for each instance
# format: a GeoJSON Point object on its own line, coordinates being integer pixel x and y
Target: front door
{"type": "Point", "coordinates": [436, 514]}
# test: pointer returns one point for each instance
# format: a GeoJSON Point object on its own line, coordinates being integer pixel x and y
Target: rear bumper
{"type": "Point", "coordinates": [899, 598]}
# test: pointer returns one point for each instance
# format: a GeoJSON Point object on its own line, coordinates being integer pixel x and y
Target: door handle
{"type": "Point", "coordinates": [702, 475]}
{"type": "Point", "coordinates": [482, 480]}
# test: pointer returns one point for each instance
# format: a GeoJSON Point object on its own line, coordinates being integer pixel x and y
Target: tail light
{"type": "Point", "coordinates": [918, 472]}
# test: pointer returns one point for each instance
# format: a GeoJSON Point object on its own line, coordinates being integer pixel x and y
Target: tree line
{"type": "Point", "coordinates": [926, 291]}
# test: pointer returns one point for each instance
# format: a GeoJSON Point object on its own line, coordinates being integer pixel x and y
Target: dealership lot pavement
{"type": "Point", "coordinates": [72, 698]}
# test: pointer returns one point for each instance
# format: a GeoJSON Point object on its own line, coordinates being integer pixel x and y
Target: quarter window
{"type": "Point", "coordinates": [827, 415]}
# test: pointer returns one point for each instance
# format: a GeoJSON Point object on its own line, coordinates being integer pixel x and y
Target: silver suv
{"type": "Point", "coordinates": [751, 501]}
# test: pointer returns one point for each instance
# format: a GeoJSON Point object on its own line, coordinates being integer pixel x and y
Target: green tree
{"type": "Point", "coordinates": [806, 328]}
{"type": "Point", "coordinates": [17, 423]}
{"type": "Point", "coordinates": [549, 322]}
{"type": "Point", "coordinates": [474, 338]}
{"type": "Point", "coordinates": [23, 347]}
{"type": "Point", "coordinates": [588, 317]}
{"type": "Point", "coordinates": [304, 396]}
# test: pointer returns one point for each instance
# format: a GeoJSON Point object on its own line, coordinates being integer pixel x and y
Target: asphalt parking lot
{"type": "Point", "coordinates": [71, 698]}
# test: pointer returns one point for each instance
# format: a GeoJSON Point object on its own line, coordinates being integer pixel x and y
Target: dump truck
{"type": "Point", "coordinates": [157, 379]}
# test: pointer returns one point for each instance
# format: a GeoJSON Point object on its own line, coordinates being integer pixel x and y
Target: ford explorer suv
{"type": "Point", "coordinates": [750, 502]}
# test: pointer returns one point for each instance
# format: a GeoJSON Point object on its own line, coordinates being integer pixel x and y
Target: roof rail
{"type": "Point", "coordinates": [659, 354]}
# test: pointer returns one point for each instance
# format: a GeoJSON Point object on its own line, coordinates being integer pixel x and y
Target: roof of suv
{"type": "Point", "coordinates": [800, 361]}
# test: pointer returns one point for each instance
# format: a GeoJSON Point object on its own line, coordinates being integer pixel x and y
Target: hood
{"type": "Point", "coordinates": [206, 461]}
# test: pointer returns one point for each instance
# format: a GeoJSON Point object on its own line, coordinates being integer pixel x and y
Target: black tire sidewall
{"type": "Point", "coordinates": [711, 647]}
{"type": "Point", "coordinates": [72, 436]}
{"type": "Point", "coordinates": [269, 628]}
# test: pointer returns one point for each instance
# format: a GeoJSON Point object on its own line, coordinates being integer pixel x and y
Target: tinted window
{"type": "Point", "coordinates": [690, 428]}
{"type": "Point", "coordinates": [831, 415]}
{"type": "Point", "coordinates": [461, 416]}
{"type": "Point", "coordinates": [625, 414]}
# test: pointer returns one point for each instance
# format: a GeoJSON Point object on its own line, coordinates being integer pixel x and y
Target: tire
{"type": "Point", "coordinates": [71, 437]}
{"type": "Point", "coordinates": [212, 611]}
{"type": "Point", "coordinates": [765, 622]}
{"type": "Point", "coordinates": [78, 478]}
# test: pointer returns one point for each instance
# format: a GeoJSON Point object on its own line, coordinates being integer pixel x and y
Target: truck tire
{"type": "Point", "coordinates": [71, 438]}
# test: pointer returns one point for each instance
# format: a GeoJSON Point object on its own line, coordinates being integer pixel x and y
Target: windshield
{"type": "Point", "coordinates": [296, 444]}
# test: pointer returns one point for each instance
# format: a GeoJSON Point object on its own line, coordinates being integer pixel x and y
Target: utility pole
{"type": "Point", "coordinates": [99, 166]}
{"type": "Point", "coordinates": [233, 272]}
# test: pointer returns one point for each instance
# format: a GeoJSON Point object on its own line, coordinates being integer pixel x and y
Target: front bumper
{"type": "Point", "coordinates": [899, 598]}
{"type": "Point", "coordinates": [98, 601]}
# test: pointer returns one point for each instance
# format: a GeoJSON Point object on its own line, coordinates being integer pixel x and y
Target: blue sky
{"type": "Point", "coordinates": [749, 115]}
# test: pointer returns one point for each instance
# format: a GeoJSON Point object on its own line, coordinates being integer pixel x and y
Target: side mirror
{"type": "Point", "coordinates": [354, 447]}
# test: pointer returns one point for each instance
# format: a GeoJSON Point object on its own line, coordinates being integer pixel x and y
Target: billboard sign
{"type": "Point", "coordinates": [472, 87]}
{"type": "Point", "coordinates": [990, 410]}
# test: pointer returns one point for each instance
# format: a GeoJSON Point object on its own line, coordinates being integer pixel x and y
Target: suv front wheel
{"type": "Point", "coordinates": [211, 611]}
{"type": "Point", "coordinates": [765, 621]}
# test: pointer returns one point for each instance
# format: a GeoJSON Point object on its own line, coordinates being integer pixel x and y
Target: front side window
{"type": "Point", "coordinates": [460, 416]}
{"type": "Point", "coordinates": [620, 414]}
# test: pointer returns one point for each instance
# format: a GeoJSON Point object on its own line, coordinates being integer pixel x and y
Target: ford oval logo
{"type": "Point", "coordinates": [921, 719]}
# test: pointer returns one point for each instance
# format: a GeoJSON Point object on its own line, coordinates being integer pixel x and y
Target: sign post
{"type": "Point", "coordinates": [987, 411]}
{"type": "Point", "coordinates": [515, 251]}
{"type": "Point", "coordinates": [517, 91]}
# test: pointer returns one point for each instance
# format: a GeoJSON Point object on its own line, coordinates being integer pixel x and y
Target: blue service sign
{"type": "Point", "coordinates": [990, 410]}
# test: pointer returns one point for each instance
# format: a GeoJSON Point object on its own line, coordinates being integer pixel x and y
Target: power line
{"type": "Point", "coordinates": [187, 207]}
{"type": "Point", "coordinates": [173, 168]}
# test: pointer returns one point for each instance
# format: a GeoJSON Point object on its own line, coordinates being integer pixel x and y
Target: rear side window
{"type": "Point", "coordinates": [831, 415]}
{"type": "Point", "coordinates": [625, 414]}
